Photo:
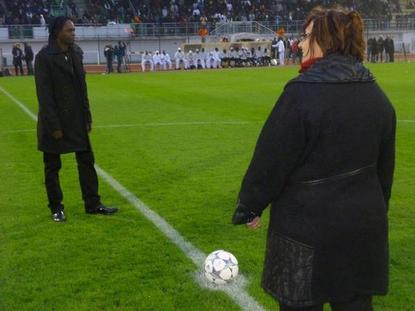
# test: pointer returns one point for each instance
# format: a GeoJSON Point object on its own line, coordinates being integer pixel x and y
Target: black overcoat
{"type": "Point", "coordinates": [325, 161]}
{"type": "Point", "coordinates": [63, 100]}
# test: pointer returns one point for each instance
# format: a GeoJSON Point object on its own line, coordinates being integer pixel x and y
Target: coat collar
{"type": "Point", "coordinates": [336, 68]}
{"type": "Point", "coordinates": [62, 60]}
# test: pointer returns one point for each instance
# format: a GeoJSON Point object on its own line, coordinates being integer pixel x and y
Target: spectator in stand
{"type": "Point", "coordinates": [124, 11]}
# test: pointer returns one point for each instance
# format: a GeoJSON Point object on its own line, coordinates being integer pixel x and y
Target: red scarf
{"type": "Point", "coordinates": [308, 63]}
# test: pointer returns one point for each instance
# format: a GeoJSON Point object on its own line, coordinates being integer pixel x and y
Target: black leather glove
{"type": "Point", "coordinates": [242, 215]}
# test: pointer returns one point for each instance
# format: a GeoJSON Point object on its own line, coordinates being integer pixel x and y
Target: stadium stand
{"type": "Point", "coordinates": [14, 12]}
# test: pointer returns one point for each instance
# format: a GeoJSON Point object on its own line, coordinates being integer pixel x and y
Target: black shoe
{"type": "Point", "coordinates": [102, 209]}
{"type": "Point", "coordinates": [58, 216]}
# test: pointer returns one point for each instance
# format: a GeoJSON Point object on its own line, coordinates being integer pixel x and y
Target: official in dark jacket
{"type": "Point", "coordinates": [64, 118]}
{"type": "Point", "coordinates": [17, 59]}
{"type": "Point", "coordinates": [28, 57]}
{"type": "Point", "coordinates": [324, 161]}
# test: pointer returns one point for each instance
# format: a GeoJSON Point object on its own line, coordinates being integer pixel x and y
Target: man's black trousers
{"type": "Point", "coordinates": [88, 180]}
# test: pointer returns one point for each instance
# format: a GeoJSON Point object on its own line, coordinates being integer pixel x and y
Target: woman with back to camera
{"type": "Point", "coordinates": [325, 162]}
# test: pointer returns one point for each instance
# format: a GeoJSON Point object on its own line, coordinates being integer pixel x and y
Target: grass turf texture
{"type": "Point", "coordinates": [189, 174]}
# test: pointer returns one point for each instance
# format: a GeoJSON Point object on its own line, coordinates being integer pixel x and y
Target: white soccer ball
{"type": "Point", "coordinates": [221, 267]}
{"type": "Point", "coordinates": [274, 62]}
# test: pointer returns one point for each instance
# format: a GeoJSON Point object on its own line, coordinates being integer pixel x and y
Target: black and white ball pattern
{"type": "Point", "coordinates": [221, 267]}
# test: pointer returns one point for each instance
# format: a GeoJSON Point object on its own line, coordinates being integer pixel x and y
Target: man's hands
{"type": "Point", "coordinates": [57, 134]}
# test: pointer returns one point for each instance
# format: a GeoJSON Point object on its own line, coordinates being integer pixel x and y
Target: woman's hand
{"type": "Point", "coordinates": [255, 223]}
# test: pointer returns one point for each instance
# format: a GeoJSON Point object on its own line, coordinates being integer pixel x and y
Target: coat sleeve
{"type": "Point", "coordinates": [80, 54]}
{"type": "Point", "coordinates": [48, 110]}
{"type": "Point", "coordinates": [86, 100]}
{"type": "Point", "coordinates": [278, 150]}
{"type": "Point", "coordinates": [386, 159]}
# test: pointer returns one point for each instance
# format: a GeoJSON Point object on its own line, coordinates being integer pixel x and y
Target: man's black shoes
{"type": "Point", "coordinates": [58, 216]}
{"type": "Point", "coordinates": [102, 209]}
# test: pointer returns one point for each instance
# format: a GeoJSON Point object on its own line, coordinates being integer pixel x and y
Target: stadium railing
{"type": "Point", "coordinates": [144, 30]}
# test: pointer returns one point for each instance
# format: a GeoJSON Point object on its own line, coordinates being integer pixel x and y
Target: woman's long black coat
{"type": "Point", "coordinates": [325, 160]}
{"type": "Point", "coordinates": [63, 100]}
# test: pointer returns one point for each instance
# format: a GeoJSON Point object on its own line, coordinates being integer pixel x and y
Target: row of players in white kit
{"type": "Point", "coordinates": [162, 61]}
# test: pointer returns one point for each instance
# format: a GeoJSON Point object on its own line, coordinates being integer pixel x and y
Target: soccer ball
{"type": "Point", "coordinates": [221, 267]}
{"type": "Point", "coordinates": [274, 62]}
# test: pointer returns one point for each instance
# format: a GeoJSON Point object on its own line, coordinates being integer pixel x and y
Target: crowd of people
{"type": "Point", "coordinates": [182, 11]}
{"type": "Point", "coordinates": [283, 51]}
{"type": "Point", "coordinates": [22, 55]}
{"type": "Point", "coordinates": [35, 12]}
{"type": "Point", "coordinates": [380, 50]}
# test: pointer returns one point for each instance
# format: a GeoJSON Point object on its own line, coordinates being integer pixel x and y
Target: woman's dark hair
{"type": "Point", "coordinates": [56, 25]}
{"type": "Point", "coordinates": [337, 30]}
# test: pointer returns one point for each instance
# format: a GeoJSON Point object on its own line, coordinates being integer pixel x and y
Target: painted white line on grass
{"type": "Point", "coordinates": [110, 126]}
{"type": "Point", "coordinates": [18, 131]}
{"type": "Point", "coordinates": [160, 124]}
{"type": "Point", "coordinates": [234, 291]}
{"type": "Point", "coordinates": [18, 103]}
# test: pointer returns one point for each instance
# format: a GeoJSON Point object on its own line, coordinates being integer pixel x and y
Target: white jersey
{"type": "Point", "coordinates": [157, 58]}
{"type": "Point", "coordinates": [148, 58]}
{"type": "Point", "coordinates": [280, 46]}
{"type": "Point", "coordinates": [258, 54]}
{"type": "Point", "coordinates": [167, 58]}
{"type": "Point", "coordinates": [179, 55]}
{"type": "Point", "coordinates": [198, 56]}
{"type": "Point", "coordinates": [190, 56]}
{"type": "Point", "coordinates": [216, 56]}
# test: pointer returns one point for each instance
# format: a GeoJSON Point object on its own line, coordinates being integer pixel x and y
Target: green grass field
{"type": "Point", "coordinates": [181, 142]}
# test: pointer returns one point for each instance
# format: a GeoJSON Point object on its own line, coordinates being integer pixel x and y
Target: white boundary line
{"type": "Point", "coordinates": [234, 291]}
{"type": "Point", "coordinates": [109, 126]}
{"type": "Point", "coordinates": [156, 124]}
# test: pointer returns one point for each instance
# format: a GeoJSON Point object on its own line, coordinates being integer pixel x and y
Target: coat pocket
{"type": "Point", "coordinates": [291, 264]}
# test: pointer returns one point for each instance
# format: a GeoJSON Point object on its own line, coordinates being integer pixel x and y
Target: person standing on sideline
{"type": "Point", "coordinates": [391, 49]}
{"type": "Point", "coordinates": [109, 55]}
{"type": "Point", "coordinates": [17, 59]}
{"type": "Point", "coordinates": [325, 161]}
{"type": "Point", "coordinates": [64, 118]}
{"type": "Point", "coordinates": [28, 56]}
{"type": "Point", "coordinates": [281, 52]}
{"type": "Point", "coordinates": [274, 48]}
{"type": "Point", "coordinates": [119, 52]}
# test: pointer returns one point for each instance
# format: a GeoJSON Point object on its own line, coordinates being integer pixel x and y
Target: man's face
{"type": "Point", "coordinates": [67, 34]}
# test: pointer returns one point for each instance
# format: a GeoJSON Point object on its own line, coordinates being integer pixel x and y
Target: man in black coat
{"type": "Point", "coordinates": [109, 55]}
{"type": "Point", "coordinates": [64, 118]}
{"type": "Point", "coordinates": [28, 56]}
{"type": "Point", "coordinates": [17, 59]}
{"type": "Point", "coordinates": [390, 45]}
